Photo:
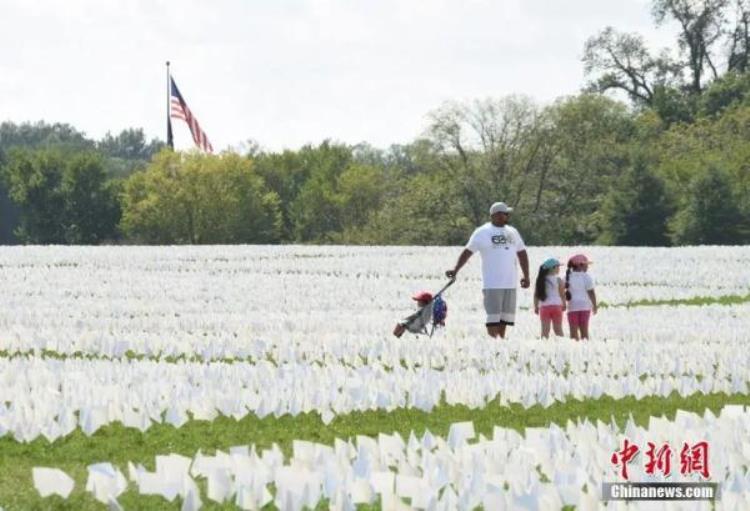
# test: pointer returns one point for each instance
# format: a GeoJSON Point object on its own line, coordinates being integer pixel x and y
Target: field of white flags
{"type": "Point", "coordinates": [243, 377]}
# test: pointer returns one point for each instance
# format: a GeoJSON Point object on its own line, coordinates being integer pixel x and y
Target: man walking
{"type": "Point", "coordinates": [499, 244]}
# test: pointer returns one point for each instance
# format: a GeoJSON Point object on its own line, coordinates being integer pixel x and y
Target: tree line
{"type": "Point", "coordinates": [669, 164]}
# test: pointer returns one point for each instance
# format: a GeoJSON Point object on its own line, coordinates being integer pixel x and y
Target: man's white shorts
{"type": "Point", "coordinates": [500, 306]}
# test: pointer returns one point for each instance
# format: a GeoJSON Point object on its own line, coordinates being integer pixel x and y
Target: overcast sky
{"type": "Point", "coordinates": [290, 72]}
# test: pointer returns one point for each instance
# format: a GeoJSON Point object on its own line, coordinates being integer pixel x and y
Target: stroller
{"type": "Point", "coordinates": [431, 314]}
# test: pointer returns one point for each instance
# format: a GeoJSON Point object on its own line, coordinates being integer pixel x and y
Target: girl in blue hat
{"type": "Point", "coordinates": [549, 297]}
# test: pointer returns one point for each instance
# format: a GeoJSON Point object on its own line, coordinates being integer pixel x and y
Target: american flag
{"type": "Point", "coordinates": [180, 110]}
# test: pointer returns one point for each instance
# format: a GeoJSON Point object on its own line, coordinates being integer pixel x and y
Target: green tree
{"type": "Point", "coordinates": [284, 173]}
{"type": "Point", "coordinates": [120, 155]}
{"type": "Point", "coordinates": [427, 212]}
{"type": "Point", "coordinates": [63, 196]}
{"type": "Point", "coordinates": [360, 191]}
{"type": "Point", "coordinates": [127, 151]}
{"type": "Point", "coordinates": [31, 136]}
{"type": "Point", "coordinates": [730, 89]}
{"type": "Point", "coordinates": [42, 135]}
{"type": "Point", "coordinates": [486, 150]}
{"type": "Point", "coordinates": [686, 150]}
{"type": "Point", "coordinates": [739, 38]}
{"type": "Point", "coordinates": [9, 216]}
{"type": "Point", "coordinates": [712, 39]}
{"type": "Point", "coordinates": [636, 210]}
{"type": "Point", "coordinates": [91, 209]}
{"type": "Point", "coordinates": [620, 61]}
{"type": "Point", "coordinates": [315, 212]}
{"type": "Point", "coordinates": [305, 181]}
{"type": "Point", "coordinates": [589, 137]}
{"type": "Point", "coordinates": [702, 28]}
{"type": "Point", "coordinates": [710, 213]}
{"type": "Point", "coordinates": [199, 199]}
{"type": "Point", "coordinates": [674, 105]}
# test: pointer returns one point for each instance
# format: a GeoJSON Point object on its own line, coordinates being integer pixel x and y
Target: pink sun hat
{"type": "Point", "coordinates": [579, 259]}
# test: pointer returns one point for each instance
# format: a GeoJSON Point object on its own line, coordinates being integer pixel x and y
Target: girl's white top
{"type": "Point", "coordinates": [579, 283]}
{"type": "Point", "coordinates": [551, 284]}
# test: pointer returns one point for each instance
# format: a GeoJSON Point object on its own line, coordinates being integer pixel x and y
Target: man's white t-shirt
{"type": "Point", "coordinates": [579, 283]}
{"type": "Point", "coordinates": [498, 247]}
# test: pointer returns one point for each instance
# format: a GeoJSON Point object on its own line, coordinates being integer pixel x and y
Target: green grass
{"type": "Point", "coordinates": [695, 300]}
{"type": "Point", "coordinates": [128, 355]}
{"type": "Point", "coordinates": [119, 445]}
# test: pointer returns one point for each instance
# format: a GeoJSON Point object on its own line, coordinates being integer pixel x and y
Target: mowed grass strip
{"type": "Point", "coordinates": [117, 444]}
{"type": "Point", "coordinates": [694, 301]}
{"type": "Point", "coordinates": [675, 302]}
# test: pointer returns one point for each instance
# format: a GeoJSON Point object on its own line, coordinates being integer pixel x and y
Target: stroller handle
{"type": "Point", "coordinates": [449, 284]}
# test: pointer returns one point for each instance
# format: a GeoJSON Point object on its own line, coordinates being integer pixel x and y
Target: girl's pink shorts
{"type": "Point", "coordinates": [551, 313]}
{"type": "Point", "coordinates": [578, 318]}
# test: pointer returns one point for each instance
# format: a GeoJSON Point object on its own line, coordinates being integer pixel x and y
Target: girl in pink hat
{"type": "Point", "coordinates": [580, 294]}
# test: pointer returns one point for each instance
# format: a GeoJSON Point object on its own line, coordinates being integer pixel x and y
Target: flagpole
{"type": "Point", "coordinates": [170, 140]}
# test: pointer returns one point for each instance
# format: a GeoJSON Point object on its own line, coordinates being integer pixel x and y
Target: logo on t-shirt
{"type": "Point", "coordinates": [502, 240]}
